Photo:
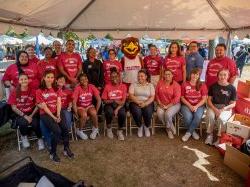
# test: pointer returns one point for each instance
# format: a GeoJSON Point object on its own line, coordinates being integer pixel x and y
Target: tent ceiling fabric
{"type": "Point", "coordinates": [156, 18]}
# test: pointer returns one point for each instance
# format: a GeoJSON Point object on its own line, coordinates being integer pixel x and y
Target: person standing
{"type": "Point", "coordinates": [193, 59]}
{"type": "Point", "coordinates": [241, 58]}
{"type": "Point", "coordinates": [220, 62]}
{"type": "Point", "coordinates": [70, 64]}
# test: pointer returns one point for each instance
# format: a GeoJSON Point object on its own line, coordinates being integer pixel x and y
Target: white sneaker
{"type": "Point", "coordinates": [147, 132]}
{"type": "Point", "coordinates": [209, 139]}
{"type": "Point", "coordinates": [94, 132]}
{"type": "Point", "coordinates": [81, 134]}
{"type": "Point", "coordinates": [170, 134]}
{"type": "Point", "coordinates": [173, 129]}
{"type": "Point", "coordinates": [120, 135]}
{"type": "Point", "coordinates": [186, 136]}
{"type": "Point", "coordinates": [195, 136]}
{"type": "Point", "coordinates": [140, 132]}
{"type": "Point", "coordinates": [40, 144]}
{"type": "Point", "coordinates": [110, 133]}
{"type": "Point", "coordinates": [25, 142]}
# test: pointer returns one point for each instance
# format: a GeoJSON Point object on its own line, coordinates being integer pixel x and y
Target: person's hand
{"type": "Point", "coordinates": [142, 105]}
{"type": "Point", "coordinates": [99, 88]}
{"type": "Point", "coordinates": [195, 108]}
{"type": "Point", "coordinates": [191, 107]}
{"type": "Point", "coordinates": [69, 108]}
{"type": "Point", "coordinates": [217, 112]}
{"type": "Point", "coordinates": [58, 119]}
{"type": "Point", "coordinates": [165, 107]}
{"type": "Point", "coordinates": [28, 118]}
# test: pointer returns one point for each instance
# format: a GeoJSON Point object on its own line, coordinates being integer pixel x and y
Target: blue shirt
{"type": "Point", "coordinates": [194, 60]}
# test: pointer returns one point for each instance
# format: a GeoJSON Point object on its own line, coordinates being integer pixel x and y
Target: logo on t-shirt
{"type": "Point", "coordinates": [224, 92]}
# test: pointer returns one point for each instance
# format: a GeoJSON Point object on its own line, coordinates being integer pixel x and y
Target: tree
{"type": "Point", "coordinates": [109, 37]}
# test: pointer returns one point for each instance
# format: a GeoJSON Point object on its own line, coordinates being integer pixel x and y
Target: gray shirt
{"type": "Point", "coordinates": [142, 92]}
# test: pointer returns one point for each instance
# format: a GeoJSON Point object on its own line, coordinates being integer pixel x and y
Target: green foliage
{"type": "Point", "coordinates": [11, 32]}
{"type": "Point", "coordinates": [247, 36]}
{"type": "Point", "coordinates": [108, 36]}
{"type": "Point", "coordinates": [71, 36]}
{"type": "Point", "coordinates": [91, 37]}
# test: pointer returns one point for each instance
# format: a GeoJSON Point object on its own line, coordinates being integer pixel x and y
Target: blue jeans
{"type": "Point", "coordinates": [67, 117]}
{"type": "Point", "coordinates": [46, 133]}
{"type": "Point", "coordinates": [192, 119]}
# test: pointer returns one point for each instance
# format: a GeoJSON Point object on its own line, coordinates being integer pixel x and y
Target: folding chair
{"type": "Point", "coordinates": [19, 141]}
{"type": "Point", "coordinates": [114, 125]}
{"type": "Point", "coordinates": [134, 126]}
{"type": "Point", "coordinates": [158, 124]}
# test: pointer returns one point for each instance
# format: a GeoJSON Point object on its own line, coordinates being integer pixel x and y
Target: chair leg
{"type": "Point", "coordinates": [126, 126]}
{"type": "Point", "coordinates": [18, 139]}
{"type": "Point", "coordinates": [130, 126]}
{"type": "Point", "coordinates": [153, 126]}
{"type": "Point", "coordinates": [104, 128]}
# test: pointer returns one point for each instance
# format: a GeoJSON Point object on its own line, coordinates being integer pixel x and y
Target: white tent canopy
{"type": "Point", "coordinates": [156, 18]}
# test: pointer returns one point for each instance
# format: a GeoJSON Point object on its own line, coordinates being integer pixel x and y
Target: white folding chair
{"type": "Point", "coordinates": [19, 141]}
{"type": "Point", "coordinates": [158, 124]}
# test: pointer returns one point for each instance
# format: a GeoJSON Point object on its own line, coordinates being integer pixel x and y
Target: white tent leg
{"type": "Point", "coordinates": [229, 54]}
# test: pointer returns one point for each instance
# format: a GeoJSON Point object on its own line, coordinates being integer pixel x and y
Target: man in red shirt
{"type": "Point", "coordinates": [220, 62]}
{"type": "Point", "coordinates": [70, 63]}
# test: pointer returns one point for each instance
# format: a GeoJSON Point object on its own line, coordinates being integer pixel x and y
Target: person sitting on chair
{"type": "Point", "coordinates": [221, 101]}
{"type": "Point", "coordinates": [114, 96]}
{"type": "Point", "coordinates": [83, 106]}
{"type": "Point", "coordinates": [141, 95]}
{"type": "Point", "coordinates": [23, 104]}
{"type": "Point", "coordinates": [193, 97]}
{"type": "Point", "coordinates": [168, 93]}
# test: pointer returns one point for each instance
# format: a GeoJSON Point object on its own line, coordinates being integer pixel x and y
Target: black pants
{"type": "Point", "coordinates": [25, 127]}
{"type": "Point", "coordinates": [109, 113]}
{"type": "Point", "coordinates": [57, 131]}
{"type": "Point", "coordinates": [139, 113]}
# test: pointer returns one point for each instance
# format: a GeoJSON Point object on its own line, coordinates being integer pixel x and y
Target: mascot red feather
{"type": "Point", "coordinates": [131, 62]}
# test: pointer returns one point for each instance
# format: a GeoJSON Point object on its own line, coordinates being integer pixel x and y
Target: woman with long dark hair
{"type": "Point", "coordinates": [23, 104]}
{"type": "Point", "coordinates": [22, 65]}
{"type": "Point", "coordinates": [141, 95]}
{"type": "Point", "coordinates": [175, 62]}
{"type": "Point", "coordinates": [49, 103]}
{"type": "Point", "coordinates": [193, 97]}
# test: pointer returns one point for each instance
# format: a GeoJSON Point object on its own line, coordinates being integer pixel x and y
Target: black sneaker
{"type": "Point", "coordinates": [67, 152]}
{"type": "Point", "coordinates": [54, 157]}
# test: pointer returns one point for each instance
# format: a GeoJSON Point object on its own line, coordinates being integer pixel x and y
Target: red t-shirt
{"type": "Point", "coordinates": [26, 102]}
{"type": "Point", "coordinates": [168, 94]}
{"type": "Point", "coordinates": [114, 92]}
{"type": "Point", "coordinates": [49, 97]}
{"type": "Point", "coordinates": [66, 97]}
{"type": "Point", "coordinates": [217, 64]}
{"type": "Point", "coordinates": [153, 64]}
{"type": "Point", "coordinates": [84, 97]}
{"type": "Point", "coordinates": [175, 64]}
{"type": "Point", "coordinates": [34, 60]}
{"type": "Point", "coordinates": [11, 74]}
{"type": "Point", "coordinates": [107, 65]}
{"type": "Point", "coordinates": [190, 93]}
{"type": "Point", "coordinates": [43, 66]}
{"type": "Point", "coordinates": [70, 63]}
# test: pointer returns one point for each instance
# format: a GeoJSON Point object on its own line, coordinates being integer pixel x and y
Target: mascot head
{"type": "Point", "coordinates": [130, 47]}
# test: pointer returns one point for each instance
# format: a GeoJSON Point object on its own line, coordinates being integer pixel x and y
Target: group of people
{"type": "Point", "coordinates": [46, 93]}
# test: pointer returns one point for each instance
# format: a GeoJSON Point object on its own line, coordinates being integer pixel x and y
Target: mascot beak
{"type": "Point", "coordinates": [131, 48]}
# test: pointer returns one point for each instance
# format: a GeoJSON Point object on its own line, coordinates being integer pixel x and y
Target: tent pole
{"type": "Point", "coordinates": [228, 44]}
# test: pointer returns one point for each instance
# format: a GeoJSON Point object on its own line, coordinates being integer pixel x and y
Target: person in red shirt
{"type": "Point", "coordinates": [220, 62]}
{"type": "Point", "coordinates": [114, 97]}
{"type": "Point", "coordinates": [70, 63]}
{"type": "Point", "coordinates": [66, 100]}
{"type": "Point", "coordinates": [83, 106]}
{"type": "Point", "coordinates": [175, 62]}
{"type": "Point", "coordinates": [111, 63]}
{"type": "Point", "coordinates": [23, 104]}
{"type": "Point", "coordinates": [49, 103]}
{"type": "Point", "coordinates": [193, 97]}
{"type": "Point", "coordinates": [48, 63]}
{"type": "Point", "coordinates": [22, 65]}
{"type": "Point", "coordinates": [57, 46]}
{"type": "Point", "coordinates": [152, 64]}
{"type": "Point", "coordinates": [167, 96]}
{"type": "Point", "coordinates": [30, 49]}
